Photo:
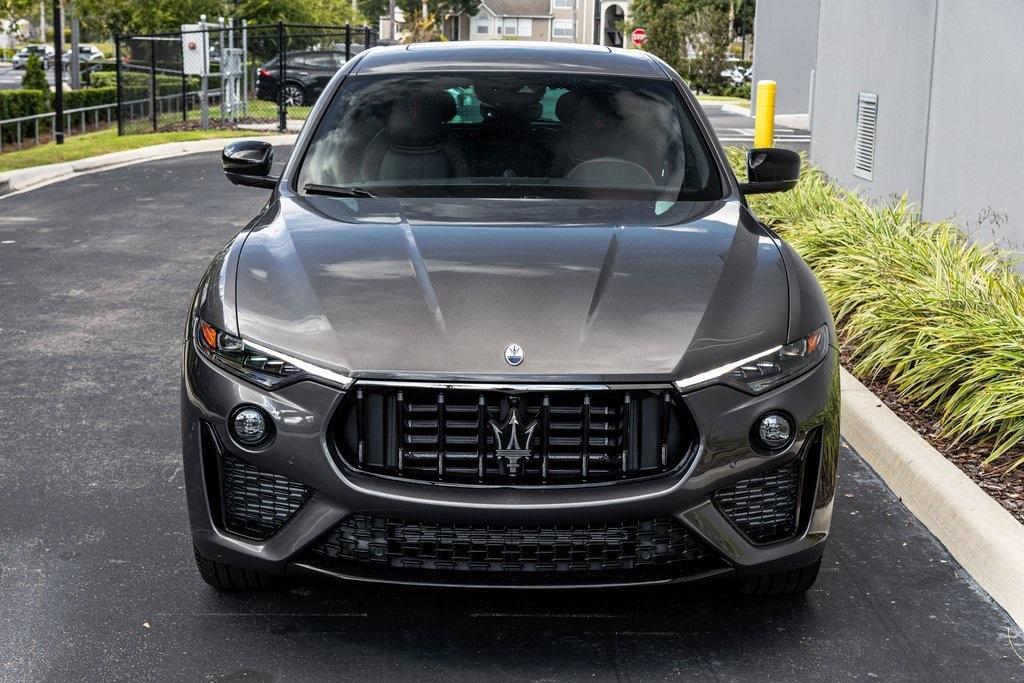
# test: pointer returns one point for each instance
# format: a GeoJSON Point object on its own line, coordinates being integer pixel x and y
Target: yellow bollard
{"type": "Point", "coordinates": [764, 117]}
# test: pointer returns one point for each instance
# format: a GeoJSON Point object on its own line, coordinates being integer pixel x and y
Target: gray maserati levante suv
{"type": "Point", "coordinates": [506, 320]}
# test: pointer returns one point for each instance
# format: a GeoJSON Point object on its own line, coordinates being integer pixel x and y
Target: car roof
{"type": "Point", "coordinates": [502, 55]}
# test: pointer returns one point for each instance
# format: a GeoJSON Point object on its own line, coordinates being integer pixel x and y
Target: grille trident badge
{"type": "Point", "coordinates": [512, 441]}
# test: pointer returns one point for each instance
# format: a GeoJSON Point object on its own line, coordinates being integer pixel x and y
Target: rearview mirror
{"type": "Point", "coordinates": [248, 162]}
{"type": "Point", "coordinates": [771, 169]}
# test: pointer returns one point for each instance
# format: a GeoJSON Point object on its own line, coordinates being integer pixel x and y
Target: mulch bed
{"type": "Point", "coordinates": [1007, 488]}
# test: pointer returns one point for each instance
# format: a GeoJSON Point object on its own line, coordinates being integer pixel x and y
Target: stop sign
{"type": "Point", "coordinates": [639, 36]}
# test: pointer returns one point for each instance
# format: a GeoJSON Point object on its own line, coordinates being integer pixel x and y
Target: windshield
{"type": "Point", "coordinates": [511, 135]}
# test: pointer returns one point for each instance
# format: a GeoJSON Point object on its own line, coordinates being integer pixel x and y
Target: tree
{"type": "Point", "coordinates": [151, 16]}
{"type": "Point", "coordinates": [336, 13]}
{"type": "Point", "coordinates": [743, 21]}
{"type": "Point", "coordinates": [661, 19]}
{"type": "Point", "coordinates": [706, 33]}
{"type": "Point", "coordinates": [438, 9]}
{"type": "Point", "coordinates": [372, 10]}
{"type": "Point", "coordinates": [691, 35]}
{"type": "Point", "coordinates": [35, 75]}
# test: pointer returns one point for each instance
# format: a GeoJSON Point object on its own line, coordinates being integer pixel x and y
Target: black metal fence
{"type": "Point", "coordinates": [259, 77]}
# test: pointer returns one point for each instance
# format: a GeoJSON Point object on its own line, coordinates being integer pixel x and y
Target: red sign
{"type": "Point", "coordinates": [639, 36]}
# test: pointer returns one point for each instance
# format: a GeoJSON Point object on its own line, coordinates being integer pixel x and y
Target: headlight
{"type": "Point", "coordinates": [240, 358]}
{"type": "Point", "coordinates": [759, 374]}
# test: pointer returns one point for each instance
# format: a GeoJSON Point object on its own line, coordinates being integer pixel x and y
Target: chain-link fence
{"type": "Point", "coordinates": [258, 77]}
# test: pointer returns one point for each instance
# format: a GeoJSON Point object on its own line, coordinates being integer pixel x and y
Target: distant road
{"type": "Point", "coordinates": [10, 78]}
{"type": "Point", "coordinates": [734, 130]}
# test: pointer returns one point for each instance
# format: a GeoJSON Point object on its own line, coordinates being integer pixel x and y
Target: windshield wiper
{"type": "Point", "coordinates": [333, 191]}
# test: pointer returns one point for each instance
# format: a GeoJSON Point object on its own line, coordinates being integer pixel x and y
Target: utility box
{"type": "Point", "coordinates": [195, 50]}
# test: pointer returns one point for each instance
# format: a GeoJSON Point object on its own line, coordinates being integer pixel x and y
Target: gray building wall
{"type": "Point", "coordinates": [974, 170]}
{"type": "Point", "coordinates": [787, 51]}
{"type": "Point", "coordinates": [947, 75]}
{"type": "Point", "coordinates": [882, 47]}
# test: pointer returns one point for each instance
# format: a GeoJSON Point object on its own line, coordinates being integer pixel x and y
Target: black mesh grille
{"type": "Point", "coordinates": [255, 502]}
{"type": "Point", "coordinates": [764, 507]}
{"type": "Point", "coordinates": [468, 436]}
{"type": "Point", "coordinates": [404, 544]}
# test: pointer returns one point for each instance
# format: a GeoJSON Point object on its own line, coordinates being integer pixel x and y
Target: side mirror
{"type": "Point", "coordinates": [248, 162]}
{"type": "Point", "coordinates": [771, 169]}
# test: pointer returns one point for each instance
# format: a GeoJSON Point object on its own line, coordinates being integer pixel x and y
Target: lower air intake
{"type": "Point", "coordinates": [405, 544]}
{"type": "Point", "coordinates": [764, 507]}
{"type": "Point", "coordinates": [257, 503]}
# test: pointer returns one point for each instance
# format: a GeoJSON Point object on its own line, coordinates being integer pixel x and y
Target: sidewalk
{"type": "Point", "coordinates": [797, 121]}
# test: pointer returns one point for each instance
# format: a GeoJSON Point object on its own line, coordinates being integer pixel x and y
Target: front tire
{"type": "Point", "coordinates": [293, 94]}
{"type": "Point", "coordinates": [783, 584]}
{"type": "Point", "coordinates": [224, 577]}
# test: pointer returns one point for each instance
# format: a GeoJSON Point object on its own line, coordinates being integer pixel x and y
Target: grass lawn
{"type": "Point", "coordinates": [724, 100]}
{"type": "Point", "coordinates": [90, 144]}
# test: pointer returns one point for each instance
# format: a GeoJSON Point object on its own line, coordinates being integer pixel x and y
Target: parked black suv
{"type": "Point", "coordinates": [306, 76]}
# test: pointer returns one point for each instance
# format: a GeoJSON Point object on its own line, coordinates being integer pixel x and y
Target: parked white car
{"type": "Point", "coordinates": [45, 52]}
{"type": "Point", "coordinates": [86, 53]}
{"type": "Point", "coordinates": [738, 74]}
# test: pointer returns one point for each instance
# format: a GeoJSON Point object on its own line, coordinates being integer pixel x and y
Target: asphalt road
{"type": "Point", "coordinates": [10, 78]}
{"type": "Point", "coordinates": [96, 574]}
{"type": "Point", "coordinates": [736, 129]}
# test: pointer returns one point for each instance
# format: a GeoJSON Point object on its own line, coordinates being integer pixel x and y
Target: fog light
{"type": "Point", "coordinates": [774, 430]}
{"type": "Point", "coordinates": [250, 426]}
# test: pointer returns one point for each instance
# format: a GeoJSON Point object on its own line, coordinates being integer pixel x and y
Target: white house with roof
{"type": "Point", "coordinates": [598, 22]}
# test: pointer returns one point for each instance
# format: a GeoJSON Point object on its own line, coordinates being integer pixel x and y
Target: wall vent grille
{"type": "Point", "coordinates": [864, 146]}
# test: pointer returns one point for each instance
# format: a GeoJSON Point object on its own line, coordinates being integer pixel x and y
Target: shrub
{"type": "Point", "coordinates": [89, 97]}
{"type": "Point", "coordinates": [35, 75]}
{"type": "Point", "coordinates": [165, 84]}
{"type": "Point", "coordinates": [937, 316]}
{"type": "Point", "coordinates": [18, 103]}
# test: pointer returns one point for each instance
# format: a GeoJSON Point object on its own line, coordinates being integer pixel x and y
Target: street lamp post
{"type": "Point", "coordinates": [58, 76]}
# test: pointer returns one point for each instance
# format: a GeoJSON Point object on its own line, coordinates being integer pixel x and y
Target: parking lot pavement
{"type": "Point", "coordinates": [96, 573]}
{"type": "Point", "coordinates": [735, 129]}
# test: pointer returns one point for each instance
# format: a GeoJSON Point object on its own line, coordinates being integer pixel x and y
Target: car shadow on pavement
{"type": "Point", "coordinates": [541, 634]}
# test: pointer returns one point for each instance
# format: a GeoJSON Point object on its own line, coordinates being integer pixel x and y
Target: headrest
{"type": "Point", "coordinates": [446, 106]}
{"type": "Point", "coordinates": [596, 130]}
{"type": "Point", "coordinates": [566, 106]}
{"type": "Point", "coordinates": [611, 172]}
{"type": "Point", "coordinates": [416, 121]}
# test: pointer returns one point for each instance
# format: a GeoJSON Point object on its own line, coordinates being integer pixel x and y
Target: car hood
{"type": "Point", "coordinates": [591, 291]}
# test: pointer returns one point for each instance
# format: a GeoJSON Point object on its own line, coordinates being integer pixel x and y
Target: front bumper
{"type": "Point", "coordinates": [300, 452]}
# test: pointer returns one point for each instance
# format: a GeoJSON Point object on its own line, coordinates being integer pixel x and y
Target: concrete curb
{"type": "Point", "coordinates": [37, 176]}
{"type": "Point", "coordinates": [737, 109]}
{"type": "Point", "coordinates": [984, 538]}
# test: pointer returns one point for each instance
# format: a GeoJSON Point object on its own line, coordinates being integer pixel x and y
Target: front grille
{"type": "Point", "coordinates": [257, 503]}
{"type": "Point", "coordinates": [764, 507]}
{"type": "Point", "coordinates": [403, 544]}
{"type": "Point", "coordinates": [522, 437]}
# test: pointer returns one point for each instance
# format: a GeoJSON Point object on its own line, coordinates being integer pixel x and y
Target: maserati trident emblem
{"type": "Point", "coordinates": [512, 441]}
{"type": "Point", "coordinates": [514, 354]}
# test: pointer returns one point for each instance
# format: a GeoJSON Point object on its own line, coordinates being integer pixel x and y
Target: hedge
{"type": "Point", "coordinates": [18, 103]}
{"type": "Point", "coordinates": [89, 97]}
{"type": "Point", "coordinates": [918, 305]}
{"type": "Point", "coordinates": [165, 84]}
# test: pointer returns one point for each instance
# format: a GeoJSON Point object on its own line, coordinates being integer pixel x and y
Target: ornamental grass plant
{"type": "Point", "coordinates": [918, 305]}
